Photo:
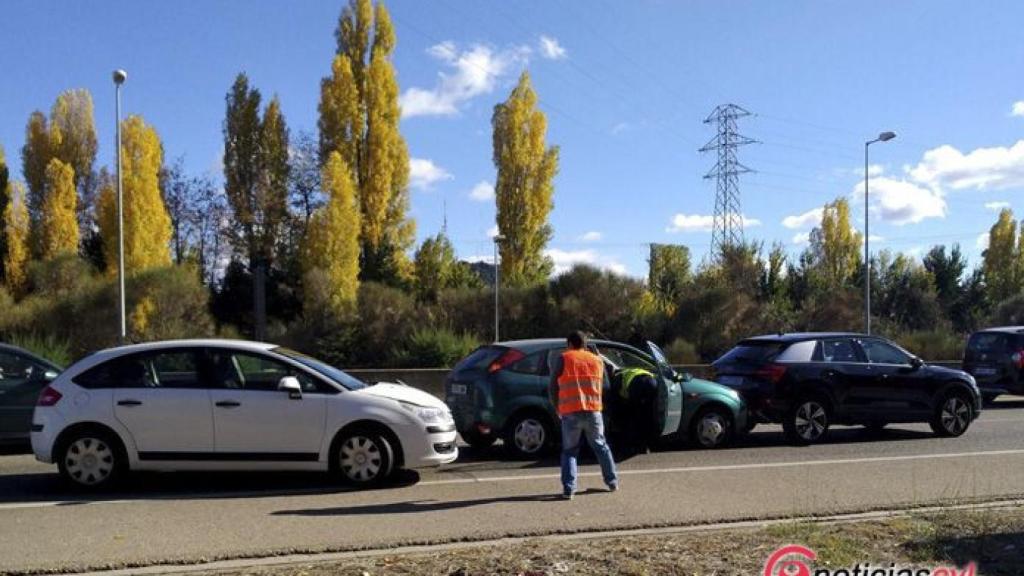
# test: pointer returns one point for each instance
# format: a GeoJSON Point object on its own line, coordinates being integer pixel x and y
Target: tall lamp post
{"type": "Point", "coordinates": [119, 77]}
{"type": "Point", "coordinates": [498, 238]}
{"type": "Point", "coordinates": [883, 137]}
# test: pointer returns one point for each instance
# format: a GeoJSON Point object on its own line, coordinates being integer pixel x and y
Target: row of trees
{"type": "Point", "coordinates": [309, 243]}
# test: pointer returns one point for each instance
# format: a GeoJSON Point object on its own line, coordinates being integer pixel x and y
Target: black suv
{"type": "Point", "coordinates": [810, 381]}
{"type": "Point", "coordinates": [995, 357]}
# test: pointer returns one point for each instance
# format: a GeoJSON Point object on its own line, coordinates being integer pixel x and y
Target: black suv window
{"type": "Point", "coordinates": [879, 352]}
{"type": "Point", "coordinates": [16, 370]}
{"type": "Point", "coordinates": [752, 352]}
{"type": "Point", "coordinates": [988, 342]}
{"type": "Point", "coordinates": [836, 350]}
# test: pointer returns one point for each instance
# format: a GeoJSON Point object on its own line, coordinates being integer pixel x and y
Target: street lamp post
{"type": "Point", "coordinates": [119, 77]}
{"type": "Point", "coordinates": [883, 137]}
{"type": "Point", "coordinates": [497, 286]}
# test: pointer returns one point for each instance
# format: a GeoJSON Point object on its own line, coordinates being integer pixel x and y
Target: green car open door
{"type": "Point", "coordinates": [670, 393]}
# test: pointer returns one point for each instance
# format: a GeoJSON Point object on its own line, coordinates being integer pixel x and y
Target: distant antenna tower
{"type": "Point", "coordinates": [727, 228]}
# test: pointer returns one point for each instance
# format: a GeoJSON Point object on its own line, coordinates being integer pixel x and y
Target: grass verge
{"type": "Point", "coordinates": [994, 539]}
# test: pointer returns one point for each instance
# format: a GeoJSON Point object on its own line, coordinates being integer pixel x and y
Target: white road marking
{"type": "Point", "coordinates": [726, 467]}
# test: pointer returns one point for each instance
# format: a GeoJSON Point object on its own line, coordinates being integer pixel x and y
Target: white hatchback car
{"type": "Point", "coordinates": [232, 405]}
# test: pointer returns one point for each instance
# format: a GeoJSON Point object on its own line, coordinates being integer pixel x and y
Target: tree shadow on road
{"type": "Point", "coordinates": [418, 506]}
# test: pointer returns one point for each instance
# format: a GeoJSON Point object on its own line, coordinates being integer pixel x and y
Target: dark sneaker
{"type": "Point", "coordinates": [613, 487]}
{"type": "Point", "coordinates": [566, 495]}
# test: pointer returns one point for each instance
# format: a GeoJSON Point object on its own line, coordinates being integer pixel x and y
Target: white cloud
{"type": "Point", "coordinates": [875, 170]}
{"type": "Point", "coordinates": [564, 260]}
{"type": "Point", "coordinates": [982, 241]}
{"type": "Point", "coordinates": [620, 128]}
{"type": "Point", "coordinates": [996, 206]}
{"type": "Point", "coordinates": [551, 49]}
{"type": "Point", "coordinates": [492, 231]}
{"type": "Point", "coordinates": [902, 202]}
{"type": "Point", "coordinates": [423, 173]}
{"type": "Point", "coordinates": [802, 238]}
{"type": "Point", "coordinates": [701, 223]}
{"type": "Point", "coordinates": [471, 72]}
{"type": "Point", "coordinates": [996, 168]}
{"type": "Point", "coordinates": [807, 219]}
{"type": "Point", "coordinates": [482, 192]}
{"type": "Point", "coordinates": [1018, 108]}
{"type": "Point", "coordinates": [592, 236]}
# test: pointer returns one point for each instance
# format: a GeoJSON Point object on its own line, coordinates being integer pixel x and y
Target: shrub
{"type": "Point", "coordinates": [682, 352]}
{"type": "Point", "coordinates": [1009, 312]}
{"type": "Point", "coordinates": [933, 345]}
{"type": "Point", "coordinates": [48, 347]}
{"type": "Point", "coordinates": [435, 348]}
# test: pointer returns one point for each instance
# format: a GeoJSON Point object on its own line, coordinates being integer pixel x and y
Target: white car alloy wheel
{"type": "Point", "coordinates": [712, 429]}
{"type": "Point", "coordinates": [956, 415]}
{"type": "Point", "coordinates": [364, 458]}
{"type": "Point", "coordinates": [529, 436]}
{"type": "Point", "coordinates": [810, 420]}
{"type": "Point", "coordinates": [89, 461]}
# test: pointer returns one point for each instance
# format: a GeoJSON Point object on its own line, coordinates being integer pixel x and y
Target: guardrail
{"type": "Point", "coordinates": [432, 379]}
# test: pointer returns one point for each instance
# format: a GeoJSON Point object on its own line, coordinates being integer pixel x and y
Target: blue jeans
{"type": "Point", "coordinates": [573, 426]}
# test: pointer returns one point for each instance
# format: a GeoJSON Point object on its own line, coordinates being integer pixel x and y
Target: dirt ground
{"type": "Point", "coordinates": [994, 539]}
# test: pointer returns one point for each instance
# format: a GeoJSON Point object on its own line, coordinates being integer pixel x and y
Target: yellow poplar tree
{"type": "Point", "coordinates": [147, 226]}
{"type": "Point", "coordinates": [332, 243]}
{"type": "Point", "coordinates": [359, 118]}
{"type": "Point", "coordinates": [840, 244]}
{"type": "Point", "coordinates": [16, 229]}
{"type": "Point", "coordinates": [1002, 258]}
{"type": "Point", "coordinates": [58, 221]}
{"type": "Point", "coordinates": [524, 189]}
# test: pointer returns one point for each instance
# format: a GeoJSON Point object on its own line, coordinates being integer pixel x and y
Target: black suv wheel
{"type": "Point", "coordinates": [807, 421]}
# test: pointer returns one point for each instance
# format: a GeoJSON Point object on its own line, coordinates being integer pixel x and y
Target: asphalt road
{"type": "Point", "coordinates": [192, 517]}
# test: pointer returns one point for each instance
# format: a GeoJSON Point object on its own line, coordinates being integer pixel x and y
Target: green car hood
{"type": "Point", "coordinates": [705, 387]}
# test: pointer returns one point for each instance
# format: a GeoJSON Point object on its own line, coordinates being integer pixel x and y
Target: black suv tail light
{"type": "Point", "coordinates": [510, 357]}
{"type": "Point", "coordinates": [772, 373]}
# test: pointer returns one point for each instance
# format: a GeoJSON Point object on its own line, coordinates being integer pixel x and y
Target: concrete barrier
{"type": "Point", "coordinates": [432, 379]}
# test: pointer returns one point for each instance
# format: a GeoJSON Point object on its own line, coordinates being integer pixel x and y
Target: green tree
{"type": "Point", "coordinates": [255, 172]}
{"type": "Point", "coordinates": [668, 273]}
{"type": "Point", "coordinates": [332, 249]}
{"type": "Point", "coordinates": [359, 118]}
{"type": "Point", "coordinates": [1004, 258]}
{"type": "Point", "coordinates": [16, 236]}
{"type": "Point", "coordinates": [147, 226]}
{"type": "Point", "coordinates": [435, 265]}
{"type": "Point", "coordinates": [59, 222]}
{"type": "Point", "coordinates": [946, 271]}
{"type": "Point", "coordinates": [524, 189]}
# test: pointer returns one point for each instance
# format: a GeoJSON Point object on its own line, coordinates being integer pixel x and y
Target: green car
{"type": "Point", "coordinates": [500, 391]}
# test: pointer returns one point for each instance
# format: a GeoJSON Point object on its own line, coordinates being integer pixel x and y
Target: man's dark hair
{"type": "Point", "coordinates": [576, 340]}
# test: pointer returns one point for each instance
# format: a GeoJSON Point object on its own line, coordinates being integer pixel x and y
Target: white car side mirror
{"type": "Point", "coordinates": [290, 384]}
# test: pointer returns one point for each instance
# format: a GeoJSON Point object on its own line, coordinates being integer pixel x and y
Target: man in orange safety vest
{"type": "Point", "coordinates": [577, 377]}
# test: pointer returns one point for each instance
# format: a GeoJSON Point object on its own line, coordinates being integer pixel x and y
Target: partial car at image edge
{"type": "Point", "coordinates": [995, 357]}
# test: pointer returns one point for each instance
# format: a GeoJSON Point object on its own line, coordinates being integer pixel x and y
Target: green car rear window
{"type": "Point", "coordinates": [479, 358]}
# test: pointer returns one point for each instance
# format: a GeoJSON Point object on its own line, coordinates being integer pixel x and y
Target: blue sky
{"type": "Point", "coordinates": [625, 85]}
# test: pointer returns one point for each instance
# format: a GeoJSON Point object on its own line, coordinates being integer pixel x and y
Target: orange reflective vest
{"type": "Point", "coordinates": [579, 384]}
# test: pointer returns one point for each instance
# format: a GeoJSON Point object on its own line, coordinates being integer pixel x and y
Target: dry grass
{"type": "Point", "coordinates": [994, 539]}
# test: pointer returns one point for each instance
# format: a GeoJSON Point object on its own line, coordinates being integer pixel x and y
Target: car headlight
{"type": "Point", "coordinates": [427, 414]}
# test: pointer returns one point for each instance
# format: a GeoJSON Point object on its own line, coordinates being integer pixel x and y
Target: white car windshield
{"type": "Point", "coordinates": [348, 381]}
